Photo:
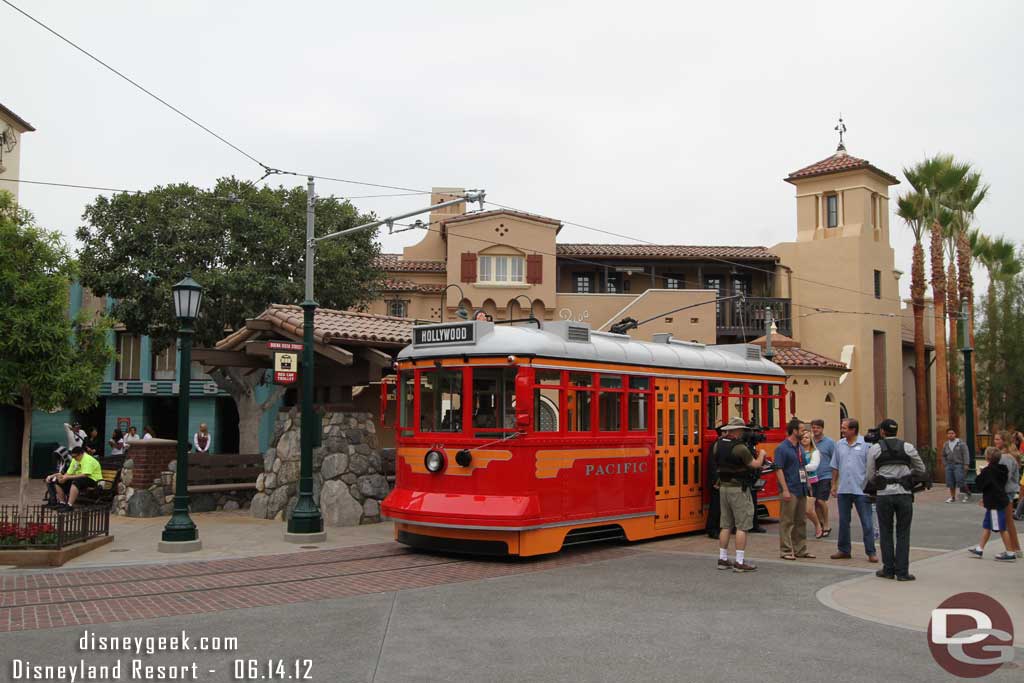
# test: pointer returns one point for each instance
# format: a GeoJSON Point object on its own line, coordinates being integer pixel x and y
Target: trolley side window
{"type": "Point", "coordinates": [547, 400]}
{"type": "Point", "coordinates": [406, 396]}
{"type": "Point", "coordinates": [610, 403]}
{"type": "Point", "coordinates": [639, 403]}
{"type": "Point", "coordinates": [441, 400]}
{"type": "Point", "coordinates": [714, 405]}
{"type": "Point", "coordinates": [773, 418]}
{"type": "Point", "coordinates": [494, 399]}
{"type": "Point", "coordinates": [579, 401]}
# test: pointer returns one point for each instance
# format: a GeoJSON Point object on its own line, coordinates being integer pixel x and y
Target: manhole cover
{"type": "Point", "coordinates": [120, 550]}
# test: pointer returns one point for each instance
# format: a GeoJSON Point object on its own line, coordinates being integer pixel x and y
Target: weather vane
{"type": "Point", "coordinates": [841, 127]}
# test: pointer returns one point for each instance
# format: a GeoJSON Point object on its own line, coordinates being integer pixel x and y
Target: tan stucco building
{"type": "Point", "coordinates": [12, 127]}
{"type": "Point", "coordinates": [833, 291]}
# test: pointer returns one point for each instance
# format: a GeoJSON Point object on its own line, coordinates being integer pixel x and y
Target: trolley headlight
{"type": "Point", "coordinates": [434, 461]}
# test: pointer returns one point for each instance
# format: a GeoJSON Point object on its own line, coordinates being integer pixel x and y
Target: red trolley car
{"type": "Point", "coordinates": [520, 439]}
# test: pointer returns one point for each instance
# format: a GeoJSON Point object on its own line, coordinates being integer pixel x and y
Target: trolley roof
{"type": "Point", "coordinates": [576, 341]}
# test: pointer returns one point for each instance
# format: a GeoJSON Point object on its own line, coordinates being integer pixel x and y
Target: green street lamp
{"type": "Point", "coordinates": [180, 534]}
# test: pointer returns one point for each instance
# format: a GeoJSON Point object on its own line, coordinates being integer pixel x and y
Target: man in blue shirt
{"type": "Point", "coordinates": [823, 487]}
{"type": "Point", "coordinates": [849, 467]}
{"type": "Point", "coordinates": [793, 489]}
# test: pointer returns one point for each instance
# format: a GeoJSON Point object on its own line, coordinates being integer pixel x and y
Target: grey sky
{"type": "Point", "coordinates": [672, 122]}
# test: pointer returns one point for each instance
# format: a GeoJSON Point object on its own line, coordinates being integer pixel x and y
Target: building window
{"type": "Point", "coordinates": [398, 309]}
{"type": "Point", "coordinates": [583, 284]}
{"type": "Point", "coordinates": [832, 210]}
{"type": "Point", "coordinates": [675, 282]}
{"type": "Point", "coordinates": [165, 363]}
{"type": "Point", "coordinates": [128, 347]}
{"type": "Point", "coordinates": [502, 269]}
{"type": "Point", "coordinates": [613, 284]}
{"type": "Point", "coordinates": [878, 284]}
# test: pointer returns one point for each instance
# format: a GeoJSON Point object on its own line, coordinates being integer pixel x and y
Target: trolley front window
{"type": "Point", "coordinates": [441, 400]}
{"type": "Point", "coordinates": [494, 399]}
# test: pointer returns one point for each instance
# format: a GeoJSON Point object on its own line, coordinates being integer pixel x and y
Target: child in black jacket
{"type": "Point", "coordinates": [991, 482]}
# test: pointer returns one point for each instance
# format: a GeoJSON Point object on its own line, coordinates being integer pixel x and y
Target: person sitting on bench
{"type": "Point", "coordinates": [83, 473]}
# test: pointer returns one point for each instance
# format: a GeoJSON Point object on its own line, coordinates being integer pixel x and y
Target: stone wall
{"type": "Point", "coordinates": [348, 474]}
{"type": "Point", "coordinates": [142, 492]}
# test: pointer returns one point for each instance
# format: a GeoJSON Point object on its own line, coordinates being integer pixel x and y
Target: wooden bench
{"type": "Point", "coordinates": [106, 489]}
{"type": "Point", "coordinates": [223, 472]}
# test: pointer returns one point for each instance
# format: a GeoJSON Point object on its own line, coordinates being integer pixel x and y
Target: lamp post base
{"type": "Point", "coordinates": [314, 537]}
{"type": "Point", "coordinates": [179, 546]}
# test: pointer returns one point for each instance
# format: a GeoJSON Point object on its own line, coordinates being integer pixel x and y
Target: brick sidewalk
{"type": "Point", "coordinates": [54, 600]}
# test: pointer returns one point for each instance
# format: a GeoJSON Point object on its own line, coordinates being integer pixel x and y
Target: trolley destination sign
{"type": "Point", "coordinates": [459, 333]}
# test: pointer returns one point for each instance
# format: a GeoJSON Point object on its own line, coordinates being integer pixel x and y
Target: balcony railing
{"type": "Point", "coordinates": [745, 318]}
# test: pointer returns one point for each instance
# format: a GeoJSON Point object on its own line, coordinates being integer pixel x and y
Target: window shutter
{"type": "Point", "coordinates": [534, 269]}
{"type": "Point", "coordinates": [468, 267]}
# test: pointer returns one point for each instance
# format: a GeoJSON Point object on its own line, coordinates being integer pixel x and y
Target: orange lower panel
{"type": "Point", "coordinates": [773, 507]}
{"type": "Point", "coordinates": [550, 540]}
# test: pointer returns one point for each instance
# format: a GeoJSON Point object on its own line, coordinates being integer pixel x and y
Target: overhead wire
{"type": "Point", "coordinates": [411, 191]}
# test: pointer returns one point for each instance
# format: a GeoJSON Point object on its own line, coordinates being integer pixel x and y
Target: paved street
{"type": "Point", "coordinates": [649, 611]}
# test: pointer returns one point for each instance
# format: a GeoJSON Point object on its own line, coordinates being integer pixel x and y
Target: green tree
{"type": "Point", "coordinates": [1000, 329]}
{"type": "Point", "coordinates": [244, 244]}
{"type": "Point", "coordinates": [47, 360]}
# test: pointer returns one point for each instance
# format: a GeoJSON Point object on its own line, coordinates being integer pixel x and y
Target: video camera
{"type": "Point", "coordinates": [873, 435]}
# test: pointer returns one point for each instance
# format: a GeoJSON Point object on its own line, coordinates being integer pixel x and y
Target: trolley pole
{"type": "Point", "coordinates": [307, 524]}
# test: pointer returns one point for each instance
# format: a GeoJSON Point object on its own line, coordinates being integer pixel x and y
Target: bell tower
{"type": "Point", "coordinates": [842, 196]}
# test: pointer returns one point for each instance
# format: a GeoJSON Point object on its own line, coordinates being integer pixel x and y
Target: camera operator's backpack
{"type": "Point", "coordinates": [894, 453]}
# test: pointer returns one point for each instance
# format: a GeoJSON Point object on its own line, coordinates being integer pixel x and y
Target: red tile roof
{"type": "Point", "coordinates": [486, 214]}
{"type": "Point", "coordinates": [665, 251]}
{"type": "Point", "coordinates": [394, 263]}
{"type": "Point", "coordinates": [390, 285]}
{"type": "Point", "coordinates": [330, 327]}
{"type": "Point", "coordinates": [838, 163]}
{"type": "Point", "coordinates": [788, 354]}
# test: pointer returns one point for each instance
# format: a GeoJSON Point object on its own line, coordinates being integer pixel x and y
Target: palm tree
{"type": "Point", "coordinates": [964, 202]}
{"type": "Point", "coordinates": [948, 220]}
{"type": "Point", "coordinates": [913, 209]}
{"type": "Point", "coordinates": [935, 178]}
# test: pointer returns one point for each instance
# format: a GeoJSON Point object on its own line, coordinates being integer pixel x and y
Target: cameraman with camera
{"type": "Point", "coordinates": [891, 468]}
{"type": "Point", "coordinates": [737, 470]}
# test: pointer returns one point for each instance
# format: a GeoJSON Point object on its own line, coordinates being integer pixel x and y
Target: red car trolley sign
{"type": "Point", "coordinates": [286, 361]}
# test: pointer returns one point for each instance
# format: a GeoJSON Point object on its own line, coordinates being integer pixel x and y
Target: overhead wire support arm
{"type": "Point", "coordinates": [627, 324]}
{"type": "Point", "coordinates": [470, 196]}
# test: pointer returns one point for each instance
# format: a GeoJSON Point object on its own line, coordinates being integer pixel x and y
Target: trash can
{"type": "Point", "coordinates": [42, 461]}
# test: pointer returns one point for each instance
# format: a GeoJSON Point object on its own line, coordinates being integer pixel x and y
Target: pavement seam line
{"type": "Point", "coordinates": [387, 628]}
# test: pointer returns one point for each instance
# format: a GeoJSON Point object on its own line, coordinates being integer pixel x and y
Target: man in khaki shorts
{"type": "Point", "coordinates": [737, 468]}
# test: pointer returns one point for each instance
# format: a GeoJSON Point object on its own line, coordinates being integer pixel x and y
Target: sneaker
{"type": "Point", "coordinates": [725, 564]}
{"type": "Point", "coordinates": [966, 498]}
{"type": "Point", "coordinates": [1006, 557]}
{"type": "Point", "coordinates": [949, 500]}
{"type": "Point", "coordinates": [882, 574]}
{"type": "Point", "coordinates": [740, 567]}
{"type": "Point", "coordinates": [977, 552]}
{"type": "Point", "coordinates": [52, 504]}
{"type": "Point", "coordinates": [63, 507]}
{"type": "Point", "coordinates": [906, 577]}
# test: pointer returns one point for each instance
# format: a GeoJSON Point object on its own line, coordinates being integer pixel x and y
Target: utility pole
{"type": "Point", "coordinates": [965, 348]}
{"type": "Point", "coordinates": [768, 353]}
{"type": "Point", "coordinates": [307, 524]}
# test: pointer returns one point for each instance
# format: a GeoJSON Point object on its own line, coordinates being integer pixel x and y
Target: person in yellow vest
{"type": "Point", "coordinates": [83, 473]}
